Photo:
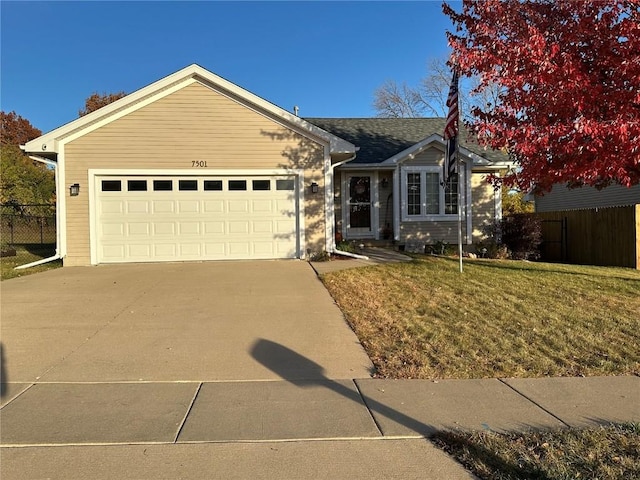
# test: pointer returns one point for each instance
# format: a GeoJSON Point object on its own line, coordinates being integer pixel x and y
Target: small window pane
{"type": "Point", "coordinates": [451, 196]}
{"type": "Point", "coordinates": [262, 184]}
{"type": "Point", "coordinates": [413, 194]}
{"type": "Point", "coordinates": [285, 185]}
{"type": "Point", "coordinates": [189, 185]}
{"type": "Point", "coordinates": [163, 185]}
{"type": "Point", "coordinates": [433, 194]}
{"type": "Point", "coordinates": [137, 185]}
{"type": "Point", "coordinates": [111, 185]}
{"type": "Point", "coordinates": [213, 184]}
{"type": "Point", "coordinates": [235, 185]}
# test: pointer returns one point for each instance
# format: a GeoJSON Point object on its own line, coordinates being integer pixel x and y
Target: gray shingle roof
{"type": "Point", "coordinates": [381, 138]}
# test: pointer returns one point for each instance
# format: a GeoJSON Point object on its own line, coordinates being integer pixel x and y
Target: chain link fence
{"type": "Point", "coordinates": [27, 232]}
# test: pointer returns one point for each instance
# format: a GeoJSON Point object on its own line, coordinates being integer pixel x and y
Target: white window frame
{"type": "Point", "coordinates": [404, 173]}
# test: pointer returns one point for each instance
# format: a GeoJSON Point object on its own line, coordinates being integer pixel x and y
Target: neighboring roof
{"type": "Point", "coordinates": [561, 198]}
{"type": "Point", "coordinates": [47, 144]}
{"type": "Point", "coordinates": [381, 138]}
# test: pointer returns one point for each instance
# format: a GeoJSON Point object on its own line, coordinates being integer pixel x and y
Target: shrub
{"type": "Point", "coordinates": [441, 248]}
{"type": "Point", "coordinates": [345, 246]}
{"type": "Point", "coordinates": [322, 256]}
{"type": "Point", "coordinates": [491, 249]}
{"type": "Point", "coordinates": [522, 234]}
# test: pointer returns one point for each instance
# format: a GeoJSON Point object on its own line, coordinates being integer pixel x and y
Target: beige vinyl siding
{"type": "Point", "coordinates": [430, 232]}
{"type": "Point", "coordinates": [194, 123]}
{"type": "Point", "coordinates": [427, 158]}
{"type": "Point", "coordinates": [483, 208]}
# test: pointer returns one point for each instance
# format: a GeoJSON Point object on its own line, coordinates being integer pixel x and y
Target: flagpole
{"type": "Point", "coordinates": [452, 158]}
{"type": "Point", "coordinates": [459, 170]}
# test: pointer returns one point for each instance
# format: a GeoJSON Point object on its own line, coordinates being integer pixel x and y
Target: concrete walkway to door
{"type": "Point", "coordinates": [173, 322]}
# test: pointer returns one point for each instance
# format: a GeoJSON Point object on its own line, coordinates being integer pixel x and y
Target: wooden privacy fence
{"type": "Point", "coordinates": [599, 236]}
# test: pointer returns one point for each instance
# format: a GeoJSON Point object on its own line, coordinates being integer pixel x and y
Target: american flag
{"type": "Point", "coordinates": [451, 129]}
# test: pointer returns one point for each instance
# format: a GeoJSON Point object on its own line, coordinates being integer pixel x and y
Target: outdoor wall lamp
{"type": "Point", "coordinates": [314, 187]}
{"type": "Point", "coordinates": [74, 190]}
{"type": "Point", "coordinates": [384, 183]}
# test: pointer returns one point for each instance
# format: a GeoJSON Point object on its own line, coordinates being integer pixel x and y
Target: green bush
{"type": "Point", "coordinates": [345, 246]}
{"type": "Point", "coordinates": [520, 232]}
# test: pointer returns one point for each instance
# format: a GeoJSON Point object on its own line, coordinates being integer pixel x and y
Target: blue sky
{"type": "Point", "coordinates": [326, 57]}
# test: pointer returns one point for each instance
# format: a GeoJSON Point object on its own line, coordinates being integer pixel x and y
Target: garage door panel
{"type": "Point", "coordinates": [138, 228]}
{"type": "Point", "coordinates": [210, 223]}
{"type": "Point", "coordinates": [214, 250]}
{"type": "Point", "coordinates": [190, 249]}
{"type": "Point", "coordinates": [164, 250]}
{"type": "Point", "coordinates": [262, 227]}
{"type": "Point", "coordinates": [137, 206]}
{"type": "Point", "coordinates": [189, 228]}
{"type": "Point", "coordinates": [240, 248]}
{"type": "Point", "coordinates": [164, 228]}
{"type": "Point", "coordinates": [111, 206]}
{"type": "Point", "coordinates": [262, 206]}
{"type": "Point", "coordinates": [110, 252]}
{"type": "Point", "coordinates": [163, 206]}
{"type": "Point", "coordinates": [211, 228]}
{"type": "Point", "coordinates": [113, 229]}
{"type": "Point", "coordinates": [263, 248]}
{"type": "Point", "coordinates": [238, 206]}
{"type": "Point", "coordinates": [188, 206]}
{"type": "Point", "coordinates": [140, 251]}
{"type": "Point", "coordinates": [284, 226]}
{"type": "Point", "coordinates": [238, 227]}
{"type": "Point", "coordinates": [213, 206]}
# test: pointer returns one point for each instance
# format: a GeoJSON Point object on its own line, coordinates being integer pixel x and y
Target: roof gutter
{"type": "Point", "coordinates": [57, 255]}
{"type": "Point", "coordinates": [333, 248]}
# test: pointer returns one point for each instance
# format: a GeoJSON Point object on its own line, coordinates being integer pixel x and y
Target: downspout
{"type": "Point", "coordinates": [333, 248]}
{"type": "Point", "coordinates": [57, 256]}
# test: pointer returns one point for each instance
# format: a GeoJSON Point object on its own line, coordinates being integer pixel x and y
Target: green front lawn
{"type": "Point", "coordinates": [424, 319]}
{"type": "Point", "coordinates": [27, 254]}
{"type": "Point", "coordinates": [611, 453]}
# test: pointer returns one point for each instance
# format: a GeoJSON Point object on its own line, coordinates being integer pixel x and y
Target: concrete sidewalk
{"type": "Point", "coordinates": [343, 423]}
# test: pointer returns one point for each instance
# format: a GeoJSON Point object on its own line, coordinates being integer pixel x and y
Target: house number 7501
{"type": "Point", "coordinates": [198, 163]}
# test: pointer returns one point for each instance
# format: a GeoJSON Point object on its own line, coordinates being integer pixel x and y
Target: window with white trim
{"type": "Point", "coordinates": [423, 197]}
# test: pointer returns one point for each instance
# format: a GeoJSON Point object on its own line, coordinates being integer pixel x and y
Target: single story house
{"type": "Point", "coordinates": [193, 167]}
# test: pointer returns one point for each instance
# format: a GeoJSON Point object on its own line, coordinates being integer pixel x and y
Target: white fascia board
{"type": "Point", "coordinates": [437, 140]}
{"type": "Point", "coordinates": [54, 135]}
{"type": "Point", "coordinates": [367, 166]}
{"type": "Point", "coordinates": [193, 73]}
{"type": "Point", "coordinates": [413, 150]}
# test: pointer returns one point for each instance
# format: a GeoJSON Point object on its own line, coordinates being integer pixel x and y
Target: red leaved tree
{"type": "Point", "coordinates": [97, 100]}
{"type": "Point", "coordinates": [16, 130]}
{"type": "Point", "coordinates": [569, 78]}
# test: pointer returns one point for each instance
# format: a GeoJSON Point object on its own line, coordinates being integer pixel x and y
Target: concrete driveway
{"type": "Point", "coordinates": [174, 322]}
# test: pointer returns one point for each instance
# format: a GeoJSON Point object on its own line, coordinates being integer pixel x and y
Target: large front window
{"type": "Point", "coordinates": [424, 197]}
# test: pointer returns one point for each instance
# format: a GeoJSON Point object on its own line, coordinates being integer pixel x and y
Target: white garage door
{"type": "Point", "coordinates": [162, 218]}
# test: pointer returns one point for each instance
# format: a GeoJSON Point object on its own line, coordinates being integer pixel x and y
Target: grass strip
{"type": "Point", "coordinates": [608, 452]}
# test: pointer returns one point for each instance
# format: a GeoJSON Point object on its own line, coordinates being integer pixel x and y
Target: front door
{"type": "Point", "coordinates": [359, 206]}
